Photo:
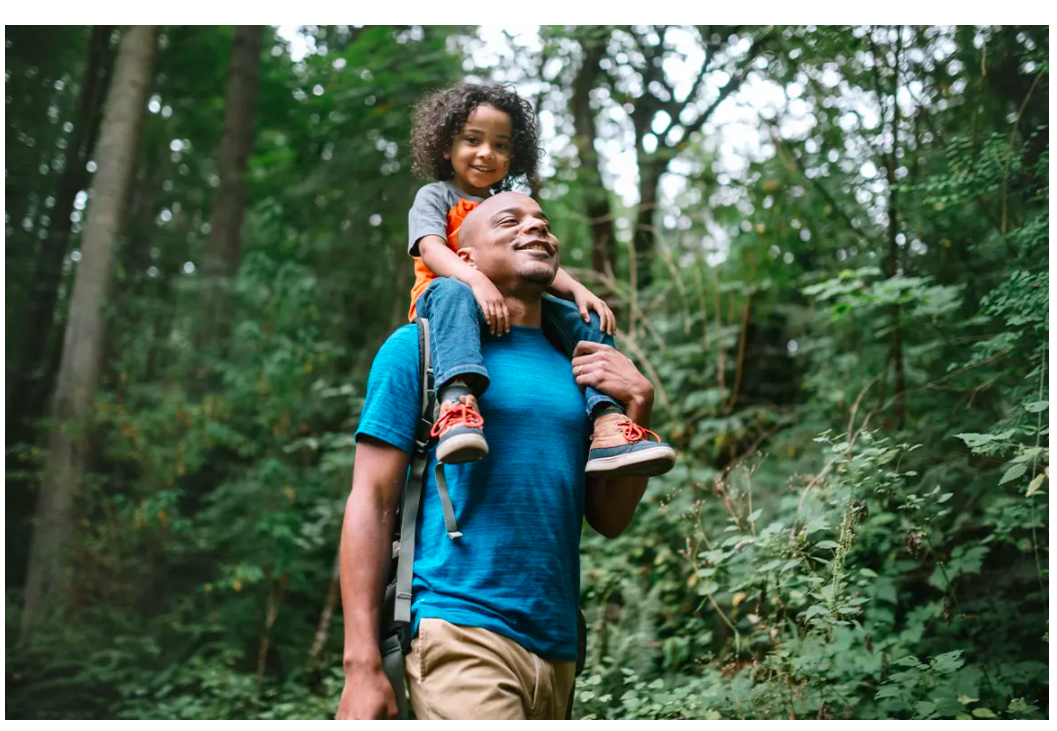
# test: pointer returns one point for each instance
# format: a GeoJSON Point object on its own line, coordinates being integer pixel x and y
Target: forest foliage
{"type": "Point", "coordinates": [846, 319]}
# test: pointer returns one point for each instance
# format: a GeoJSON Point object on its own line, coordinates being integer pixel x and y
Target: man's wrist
{"type": "Point", "coordinates": [362, 661]}
{"type": "Point", "coordinates": [640, 406]}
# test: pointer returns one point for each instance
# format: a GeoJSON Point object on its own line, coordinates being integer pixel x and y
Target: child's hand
{"type": "Point", "coordinates": [587, 301]}
{"type": "Point", "coordinates": [492, 304]}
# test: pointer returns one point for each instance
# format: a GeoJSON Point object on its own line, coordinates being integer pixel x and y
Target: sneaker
{"type": "Point", "coordinates": [459, 431]}
{"type": "Point", "coordinates": [620, 448]}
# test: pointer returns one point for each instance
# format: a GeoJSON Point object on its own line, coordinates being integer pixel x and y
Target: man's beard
{"type": "Point", "coordinates": [538, 275]}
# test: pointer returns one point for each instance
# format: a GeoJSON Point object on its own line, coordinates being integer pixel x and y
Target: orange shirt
{"type": "Point", "coordinates": [423, 275]}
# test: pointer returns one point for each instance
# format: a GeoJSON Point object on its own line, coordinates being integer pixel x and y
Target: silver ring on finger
{"type": "Point", "coordinates": [579, 370]}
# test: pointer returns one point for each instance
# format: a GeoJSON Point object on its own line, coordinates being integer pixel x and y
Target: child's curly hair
{"type": "Point", "coordinates": [441, 116]}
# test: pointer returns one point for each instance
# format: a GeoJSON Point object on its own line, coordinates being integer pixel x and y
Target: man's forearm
{"type": "Point", "coordinates": [366, 550]}
{"type": "Point", "coordinates": [612, 503]}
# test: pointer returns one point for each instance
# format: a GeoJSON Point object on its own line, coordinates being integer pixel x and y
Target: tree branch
{"type": "Point", "coordinates": [731, 86]}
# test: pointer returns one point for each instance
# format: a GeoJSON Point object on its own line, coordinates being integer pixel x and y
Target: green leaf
{"type": "Point", "coordinates": [1013, 473]}
{"type": "Point", "coordinates": [925, 708]}
{"type": "Point", "coordinates": [708, 588]}
{"type": "Point", "coordinates": [826, 544]}
{"type": "Point", "coordinates": [1035, 484]}
{"type": "Point", "coordinates": [1019, 705]}
{"type": "Point", "coordinates": [909, 661]}
{"type": "Point", "coordinates": [984, 713]}
{"type": "Point", "coordinates": [976, 440]}
{"type": "Point", "coordinates": [1037, 406]}
{"type": "Point", "coordinates": [948, 662]}
{"type": "Point", "coordinates": [754, 516]}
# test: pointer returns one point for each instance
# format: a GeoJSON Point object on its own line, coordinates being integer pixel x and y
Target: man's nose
{"type": "Point", "coordinates": [535, 225]}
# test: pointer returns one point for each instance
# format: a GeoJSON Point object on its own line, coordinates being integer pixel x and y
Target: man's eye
{"type": "Point", "coordinates": [508, 221]}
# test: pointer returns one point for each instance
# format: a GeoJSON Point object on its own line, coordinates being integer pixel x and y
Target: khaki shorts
{"type": "Point", "coordinates": [456, 672]}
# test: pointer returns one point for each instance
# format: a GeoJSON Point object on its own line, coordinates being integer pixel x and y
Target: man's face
{"type": "Point", "coordinates": [511, 241]}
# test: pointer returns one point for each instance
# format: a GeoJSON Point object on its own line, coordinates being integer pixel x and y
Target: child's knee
{"type": "Point", "coordinates": [448, 290]}
{"type": "Point", "coordinates": [450, 287]}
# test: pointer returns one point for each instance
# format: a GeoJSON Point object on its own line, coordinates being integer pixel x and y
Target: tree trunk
{"type": "Point", "coordinates": [895, 345]}
{"type": "Point", "coordinates": [85, 336]}
{"type": "Point", "coordinates": [32, 381]}
{"type": "Point", "coordinates": [229, 205]}
{"type": "Point", "coordinates": [590, 174]}
{"type": "Point", "coordinates": [650, 171]}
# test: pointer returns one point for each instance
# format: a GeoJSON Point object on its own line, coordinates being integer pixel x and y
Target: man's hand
{"type": "Point", "coordinates": [587, 301]}
{"type": "Point", "coordinates": [367, 695]}
{"type": "Point", "coordinates": [613, 374]}
{"type": "Point", "coordinates": [492, 304]}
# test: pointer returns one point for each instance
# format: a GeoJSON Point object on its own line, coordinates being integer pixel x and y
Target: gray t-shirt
{"type": "Point", "coordinates": [429, 214]}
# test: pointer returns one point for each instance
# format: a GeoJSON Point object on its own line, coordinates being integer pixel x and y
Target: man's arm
{"type": "Point", "coordinates": [609, 505]}
{"type": "Point", "coordinates": [366, 548]}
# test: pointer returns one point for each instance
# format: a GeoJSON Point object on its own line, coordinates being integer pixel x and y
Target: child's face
{"type": "Point", "coordinates": [480, 153]}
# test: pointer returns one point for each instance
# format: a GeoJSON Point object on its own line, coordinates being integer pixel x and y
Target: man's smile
{"type": "Point", "coordinates": [538, 245]}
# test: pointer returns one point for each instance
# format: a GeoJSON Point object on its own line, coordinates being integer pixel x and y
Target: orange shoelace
{"type": "Point", "coordinates": [635, 433]}
{"type": "Point", "coordinates": [458, 414]}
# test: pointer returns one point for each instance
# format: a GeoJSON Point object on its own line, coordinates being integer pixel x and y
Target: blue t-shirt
{"type": "Point", "coordinates": [516, 569]}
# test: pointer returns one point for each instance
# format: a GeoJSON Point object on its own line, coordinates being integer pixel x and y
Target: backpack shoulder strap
{"type": "Point", "coordinates": [415, 481]}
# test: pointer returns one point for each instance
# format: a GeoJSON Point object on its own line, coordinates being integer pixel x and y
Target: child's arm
{"type": "Point", "coordinates": [444, 262]}
{"type": "Point", "coordinates": [567, 288]}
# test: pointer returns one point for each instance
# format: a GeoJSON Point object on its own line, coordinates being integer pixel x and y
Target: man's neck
{"type": "Point", "coordinates": [526, 312]}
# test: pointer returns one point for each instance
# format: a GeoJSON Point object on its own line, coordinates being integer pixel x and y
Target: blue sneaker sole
{"type": "Point", "coordinates": [638, 463]}
{"type": "Point", "coordinates": [461, 448]}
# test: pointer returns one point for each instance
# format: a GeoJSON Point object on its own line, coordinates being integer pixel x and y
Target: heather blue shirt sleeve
{"type": "Point", "coordinates": [390, 411]}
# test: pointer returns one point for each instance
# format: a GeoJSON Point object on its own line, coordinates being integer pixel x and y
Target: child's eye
{"type": "Point", "coordinates": [471, 140]}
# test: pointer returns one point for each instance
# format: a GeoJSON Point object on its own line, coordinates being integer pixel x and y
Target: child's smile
{"type": "Point", "coordinates": [480, 153]}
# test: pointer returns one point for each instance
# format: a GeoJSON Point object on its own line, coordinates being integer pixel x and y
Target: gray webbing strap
{"type": "Point", "coordinates": [445, 503]}
{"type": "Point", "coordinates": [413, 489]}
{"type": "Point", "coordinates": [406, 559]}
{"type": "Point", "coordinates": [393, 667]}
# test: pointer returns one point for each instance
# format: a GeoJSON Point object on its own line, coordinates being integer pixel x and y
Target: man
{"type": "Point", "coordinates": [494, 611]}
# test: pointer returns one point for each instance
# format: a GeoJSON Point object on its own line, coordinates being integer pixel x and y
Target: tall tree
{"type": "Point", "coordinates": [663, 119]}
{"type": "Point", "coordinates": [229, 203]}
{"type": "Point", "coordinates": [31, 382]}
{"type": "Point", "coordinates": [593, 42]}
{"type": "Point", "coordinates": [85, 336]}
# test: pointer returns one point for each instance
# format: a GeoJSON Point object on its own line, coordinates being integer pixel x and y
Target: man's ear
{"type": "Point", "coordinates": [467, 255]}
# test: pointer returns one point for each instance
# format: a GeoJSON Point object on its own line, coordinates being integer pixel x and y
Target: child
{"type": "Point", "coordinates": [473, 140]}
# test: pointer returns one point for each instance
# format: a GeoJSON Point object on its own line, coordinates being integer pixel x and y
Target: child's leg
{"type": "Point", "coordinates": [454, 334]}
{"type": "Point", "coordinates": [455, 322]}
{"type": "Point", "coordinates": [619, 447]}
{"type": "Point", "coordinates": [563, 324]}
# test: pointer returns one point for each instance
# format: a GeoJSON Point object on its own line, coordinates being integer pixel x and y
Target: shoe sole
{"type": "Point", "coordinates": [653, 463]}
{"type": "Point", "coordinates": [462, 448]}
